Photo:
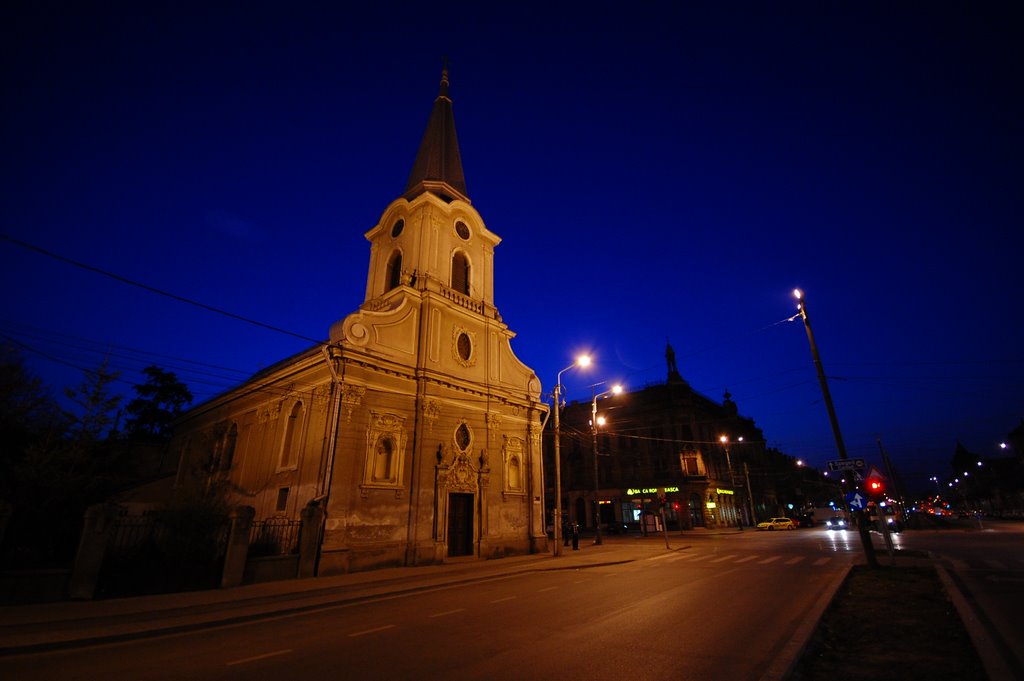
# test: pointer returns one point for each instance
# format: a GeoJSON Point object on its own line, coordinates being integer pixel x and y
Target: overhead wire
{"type": "Point", "coordinates": [152, 289]}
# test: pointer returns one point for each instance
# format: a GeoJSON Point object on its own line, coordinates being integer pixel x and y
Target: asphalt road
{"type": "Point", "coordinates": [714, 608]}
{"type": "Point", "coordinates": [987, 561]}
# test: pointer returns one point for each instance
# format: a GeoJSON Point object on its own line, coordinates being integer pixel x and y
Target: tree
{"type": "Point", "coordinates": [98, 405]}
{"type": "Point", "coordinates": [158, 403]}
{"type": "Point", "coordinates": [27, 410]}
{"type": "Point", "coordinates": [58, 470]}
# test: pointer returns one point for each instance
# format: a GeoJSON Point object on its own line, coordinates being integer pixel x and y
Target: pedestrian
{"type": "Point", "coordinates": [575, 537]}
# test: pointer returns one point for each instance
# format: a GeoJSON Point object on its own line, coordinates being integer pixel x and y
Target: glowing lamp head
{"type": "Point", "coordinates": [583, 361]}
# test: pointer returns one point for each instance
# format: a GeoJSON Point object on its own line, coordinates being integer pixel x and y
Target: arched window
{"type": "Point", "coordinates": [290, 442]}
{"type": "Point", "coordinates": [515, 474]}
{"type": "Point", "coordinates": [383, 460]}
{"type": "Point", "coordinates": [394, 271]}
{"type": "Point", "coordinates": [460, 273]}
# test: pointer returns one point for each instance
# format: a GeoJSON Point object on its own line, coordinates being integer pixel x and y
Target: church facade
{"type": "Point", "coordinates": [414, 428]}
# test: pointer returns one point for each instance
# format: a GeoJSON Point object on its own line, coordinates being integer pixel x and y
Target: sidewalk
{"type": "Point", "coordinates": [32, 628]}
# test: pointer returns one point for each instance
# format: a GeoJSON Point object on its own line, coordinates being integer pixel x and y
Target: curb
{"type": "Point", "coordinates": [996, 666]}
{"type": "Point", "coordinates": [785, 662]}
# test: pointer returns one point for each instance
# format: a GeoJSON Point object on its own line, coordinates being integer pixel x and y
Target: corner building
{"type": "Point", "coordinates": [415, 429]}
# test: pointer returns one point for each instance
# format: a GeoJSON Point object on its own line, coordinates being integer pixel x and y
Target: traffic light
{"type": "Point", "coordinates": [876, 487]}
{"type": "Point", "coordinates": [676, 506]}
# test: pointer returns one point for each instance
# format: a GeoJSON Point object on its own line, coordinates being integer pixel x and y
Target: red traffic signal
{"type": "Point", "coordinates": [875, 487]}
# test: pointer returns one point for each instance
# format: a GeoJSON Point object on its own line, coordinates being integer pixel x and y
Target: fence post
{"type": "Point", "coordinates": [238, 546]}
{"type": "Point", "coordinates": [98, 524]}
{"type": "Point", "coordinates": [309, 538]}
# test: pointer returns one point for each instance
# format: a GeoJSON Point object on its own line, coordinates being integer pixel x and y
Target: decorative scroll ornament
{"type": "Point", "coordinates": [462, 476]}
{"type": "Point", "coordinates": [351, 397]}
{"type": "Point", "coordinates": [431, 412]}
{"type": "Point", "coordinates": [493, 425]}
{"type": "Point", "coordinates": [268, 413]}
{"type": "Point", "coordinates": [535, 434]}
{"type": "Point", "coordinates": [322, 396]}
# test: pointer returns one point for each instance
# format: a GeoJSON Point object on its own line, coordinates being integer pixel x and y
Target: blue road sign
{"type": "Point", "coordinates": [855, 501]}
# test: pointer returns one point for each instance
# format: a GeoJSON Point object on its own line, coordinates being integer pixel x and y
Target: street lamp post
{"type": "Point", "coordinates": [593, 429]}
{"type": "Point", "coordinates": [732, 476]}
{"type": "Point", "coordinates": [582, 360]}
{"type": "Point", "coordinates": [865, 538]}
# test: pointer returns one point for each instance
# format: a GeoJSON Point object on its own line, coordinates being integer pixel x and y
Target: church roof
{"type": "Point", "coordinates": [438, 165]}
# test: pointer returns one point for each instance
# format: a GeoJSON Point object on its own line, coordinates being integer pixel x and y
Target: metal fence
{"type": "Point", "coordinates": [133, 533]}
{"type": "Point", "coordinates": [274, 537]}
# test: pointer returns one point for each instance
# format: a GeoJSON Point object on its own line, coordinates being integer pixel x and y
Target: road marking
{"type": "Point", "coordinates": [502, 600]}
{"type": "Point", "coordinates": [706, 555]}
{"type": "Point", "coordinates": [821, 561]}
{"type": "Point", "coordinates": [768, 560]}
{"type": "Point", "coordinates": [995, 564]}
{"type": "Point", "coordinates": [744, 560]}
{"type": "Point", "coordinates": [550, 588]}
{"type": "Point", "coordinates": [259, 657]}
{"type": "Point", "coordinates": [794, 561]}
{"type": "Point", "coordinates": [723, 558]}
{"type": "Point", "coordinates": [448, 612]}
{"type": "Point", "coordinates": [371, 631]}
{"type": "Point", "coordinates": [664, 555]}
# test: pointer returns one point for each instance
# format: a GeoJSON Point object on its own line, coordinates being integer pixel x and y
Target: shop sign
{"type": "Point", "coordinates": [719, 490]}
{"type": "Point", "coordinates": [650, 490]}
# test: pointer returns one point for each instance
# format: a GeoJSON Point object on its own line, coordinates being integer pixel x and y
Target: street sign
{"type": "Point", "coordinates": [856, 501]}
{"type": "Point", "coordinates": [846, 465]}
{"type": "Point", "coordinates": [874, 473]}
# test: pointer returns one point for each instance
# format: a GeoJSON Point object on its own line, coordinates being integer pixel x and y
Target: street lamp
{"type": "Point", "coordinates": [724, 439]}
{"type": "Point", "coordinates": [801, 306]}
{"type": "Point", "coordinates": [581, 361]}
{"type": "Point", "coordinates": [593, 429]}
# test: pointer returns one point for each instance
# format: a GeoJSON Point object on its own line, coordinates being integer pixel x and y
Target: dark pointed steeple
{"type": "Point", "coordinates": [673, 370]}
{"type": "Point", "coordinates": [438, 165]}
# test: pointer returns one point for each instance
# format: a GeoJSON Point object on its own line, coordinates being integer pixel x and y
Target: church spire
{"type": "Point", "coordinates": [438, 165]}
{"type": "Point", "coordinates": [670, 358]}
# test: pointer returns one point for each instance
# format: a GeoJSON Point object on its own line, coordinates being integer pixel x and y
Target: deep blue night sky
{"type": "Point", "coordinates": [670, 173]}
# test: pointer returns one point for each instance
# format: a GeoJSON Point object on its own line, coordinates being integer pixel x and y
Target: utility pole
{"type": "Point", "coordinates": [750, 496]}
{"type": "Point", "coordinates": [862, 522]}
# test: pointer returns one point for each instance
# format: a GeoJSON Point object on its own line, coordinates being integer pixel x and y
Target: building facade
{"type": "Point", "coordinates": [414, 429]}
{"type": "Point", "coordinates": [667, 447]}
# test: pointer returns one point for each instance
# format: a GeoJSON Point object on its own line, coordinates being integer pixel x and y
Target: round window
{"type": "Point", "coordinates": [464, 346]}
{"type": "Point", "coordinates": [397, 228]}
{"type": "Point", "coordinates": [462, 436]}
{"type": "Point", "coordinates": [462, 230]}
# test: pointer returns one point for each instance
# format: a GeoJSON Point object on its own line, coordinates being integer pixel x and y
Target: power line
{"type": "Point", "coordinates": [152, 289]}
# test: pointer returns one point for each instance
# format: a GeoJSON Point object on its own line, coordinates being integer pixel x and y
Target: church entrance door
{"type": "Point", "coordinates": [460, 524]}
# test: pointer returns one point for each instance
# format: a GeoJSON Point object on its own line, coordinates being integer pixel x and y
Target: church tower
{"type": "Point", "coordinates": [436, 451]}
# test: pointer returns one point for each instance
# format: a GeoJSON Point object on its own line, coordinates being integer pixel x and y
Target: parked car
{"type": "Point", "coordinates": [777, 524]}
{"type": "Point", "coordinates": [836, 523]}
